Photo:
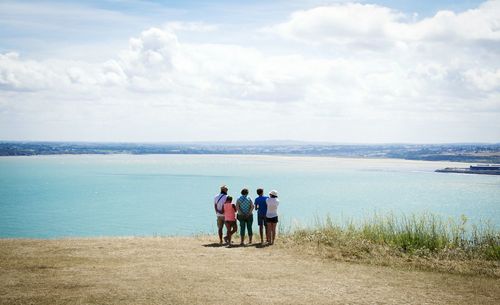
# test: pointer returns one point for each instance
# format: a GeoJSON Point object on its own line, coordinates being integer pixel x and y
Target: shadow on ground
{"type": "Point", "coordinates": [213, 245]}
{"type": "Point", "coordinates": [217, 245]}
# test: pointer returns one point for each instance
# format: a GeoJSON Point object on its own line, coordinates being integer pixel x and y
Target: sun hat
{"type": "Point", "coordinates": [273, 193]}
{"type": "Point", "coordinates": [224, 187]}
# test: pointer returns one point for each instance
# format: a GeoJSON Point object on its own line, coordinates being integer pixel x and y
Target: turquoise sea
{"type": "Point", "coordinates": [138, 195]}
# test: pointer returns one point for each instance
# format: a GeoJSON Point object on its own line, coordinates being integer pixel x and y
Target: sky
{"type": "Point", "coordinates": [330, 71]}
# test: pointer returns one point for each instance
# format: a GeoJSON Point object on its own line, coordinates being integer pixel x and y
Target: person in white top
{"type": "Point", "coordinates": [219, 201]}
{"type": "Point", "coordinates": [272, 216]}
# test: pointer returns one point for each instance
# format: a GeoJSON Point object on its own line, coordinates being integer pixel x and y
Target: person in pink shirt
{"type": "Point", "coordinates": [229, 211]}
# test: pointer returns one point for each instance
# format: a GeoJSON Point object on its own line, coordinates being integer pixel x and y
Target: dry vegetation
{"type": "Point", "coordinates": [425, 242]}
{"type": "Point", "coordinates": [165, 270]}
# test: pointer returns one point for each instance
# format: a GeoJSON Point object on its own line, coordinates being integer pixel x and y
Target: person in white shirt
{"type": "Point", "coordinates": [272, 216]}
{"type": "Point", "coordinates": [219, 201]}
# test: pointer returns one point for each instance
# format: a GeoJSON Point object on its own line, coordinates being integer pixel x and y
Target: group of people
{"type": "Point", "coordinates": [242, 210]}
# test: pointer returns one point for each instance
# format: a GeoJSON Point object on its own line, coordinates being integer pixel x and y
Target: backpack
{"type": "Point", "coordinates": [220, 211]}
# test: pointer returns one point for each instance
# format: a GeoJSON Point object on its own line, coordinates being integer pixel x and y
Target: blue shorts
{"type": "Point", "coordinates": [261, 220]}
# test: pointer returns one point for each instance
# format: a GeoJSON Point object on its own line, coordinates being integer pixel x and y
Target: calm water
{"type": "Point", "coordinates": [89, 195]}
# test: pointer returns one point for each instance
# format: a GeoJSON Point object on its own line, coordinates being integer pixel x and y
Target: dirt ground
{"type": "Point", "coordinates": [164, 270]}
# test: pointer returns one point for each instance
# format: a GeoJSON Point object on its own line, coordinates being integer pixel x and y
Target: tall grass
{"type": "Point", "coordinates": [416, 234]}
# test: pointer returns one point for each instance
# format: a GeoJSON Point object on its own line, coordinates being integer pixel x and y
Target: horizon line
{"type": "Point", "coordinates": [254, 142]}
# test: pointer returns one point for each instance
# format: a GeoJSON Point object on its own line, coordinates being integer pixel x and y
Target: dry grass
{"type": "Point", "coordinates": [193, 271]}
{"type": "Point", "coordinates": [371, 253]}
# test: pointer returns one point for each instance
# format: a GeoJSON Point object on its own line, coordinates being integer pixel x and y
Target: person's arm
{"type": "Point", "coordinates": [251, 207]}
{"type": "Point", "coordinates": [237, 206]}
{"type": "Point", "coordinates": [215, 207]}
{"type": "Point", "coordinates": [234, 208]}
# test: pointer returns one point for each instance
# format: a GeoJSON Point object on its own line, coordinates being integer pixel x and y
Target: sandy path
{"type": "Point", "coordinates": [184, 271]}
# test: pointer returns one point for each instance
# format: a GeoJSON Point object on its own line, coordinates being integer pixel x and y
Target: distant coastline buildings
{"type": "Point", "coordinates": [472, 153]}
{"type": "Point", "coordinates": [487, 169]}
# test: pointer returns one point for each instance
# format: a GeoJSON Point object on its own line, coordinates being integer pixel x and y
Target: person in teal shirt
{"type": "Point", "coordinates": [244, 206]}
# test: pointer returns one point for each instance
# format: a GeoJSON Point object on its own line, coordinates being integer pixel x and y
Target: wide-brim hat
{"type": "Point", "coordinates": [273, 193]}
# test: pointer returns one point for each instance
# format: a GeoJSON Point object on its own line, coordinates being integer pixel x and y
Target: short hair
{"type": "Point", "coordinates": [260, 192]}
{"type": "Point", "coordinates": [229, 199]}
{"type": "Point", "coordinates": [244, 191]}
{"type": "Point", "coordinates": [223, 187]}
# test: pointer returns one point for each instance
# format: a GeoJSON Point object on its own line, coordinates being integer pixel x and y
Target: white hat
{"type": "Point", "coordinates": [273, 193]}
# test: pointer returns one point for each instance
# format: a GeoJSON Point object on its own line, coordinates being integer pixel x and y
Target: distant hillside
{"type": "Point", "coordinates": [472, 153]}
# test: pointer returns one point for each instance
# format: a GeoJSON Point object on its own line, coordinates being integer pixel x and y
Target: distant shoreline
{"type": "Point", "coordinates": [465, 153]}
{"type": "Point", "coordinates": [241, 155]}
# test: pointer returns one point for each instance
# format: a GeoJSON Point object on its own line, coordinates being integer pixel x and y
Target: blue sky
{"type": "Point", "coordinates": [340, 71]}
{"type": "Point", "coordinates": [34, 24]}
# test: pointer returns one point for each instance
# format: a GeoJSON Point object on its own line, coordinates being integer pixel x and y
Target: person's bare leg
{"type": "Point", "coordinates": [266, 226]}
{"type": "Point", "coordinates": [235, 228]}
{"type": "Point", "coordinates": [229, 233]}
{"type": "Point", "coordinates": [220, 232]}
{"type": "Point", "coordinates": [274, 233]}
{"type": "Point", "coordinates": [268, 232]}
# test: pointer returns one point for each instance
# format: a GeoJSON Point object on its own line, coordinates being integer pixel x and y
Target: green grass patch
{"type": "Point", "coordinates": [418, 237]}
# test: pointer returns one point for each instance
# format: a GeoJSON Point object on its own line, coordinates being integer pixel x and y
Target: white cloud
{"type": "Point", "coordinates": [340, 23]}
{"type": "Point", "coordinates": [484, 79]}
{"type": "Point", "coordinates": [370, 66]}
{"type": "Point", "coordinates": [367, 24]}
